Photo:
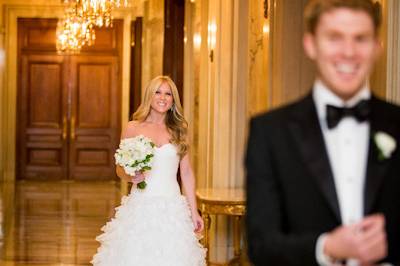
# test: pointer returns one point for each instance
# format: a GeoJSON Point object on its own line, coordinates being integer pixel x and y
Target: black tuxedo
{"type": "Point", "coordinates": [291, 197]}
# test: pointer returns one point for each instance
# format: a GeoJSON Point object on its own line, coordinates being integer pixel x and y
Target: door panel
{"type": "Point", "coordinates": [41, 123]}
{"type": "Point", "coordinates": [44, 88]}
{"type": "Point", "coordinates": [95, 119]}
{"type": "Point", "coordinates": [37, 35]}
{"type": "Point", "coordinates": [94, 88]}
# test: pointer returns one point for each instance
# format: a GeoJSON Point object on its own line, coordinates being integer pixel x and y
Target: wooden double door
{"type": "Point", "coordinates": [68, 105]}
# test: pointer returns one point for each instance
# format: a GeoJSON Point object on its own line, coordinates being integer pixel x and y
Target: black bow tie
{"type": "Point", "coordinates": [334, 114]}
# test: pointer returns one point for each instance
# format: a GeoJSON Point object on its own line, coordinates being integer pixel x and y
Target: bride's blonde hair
{"type": "Point", "coordinates": [174, 120]}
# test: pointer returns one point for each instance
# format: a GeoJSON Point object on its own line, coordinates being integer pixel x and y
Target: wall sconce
{"type": "Point", "coordinates": [197, 41]}
{"type": "Point", "coordinates": [2, 58]}
{"type": "Point", "coordinates": [212, 39]}
{"type": "Point", "coordinates": [266, 28]}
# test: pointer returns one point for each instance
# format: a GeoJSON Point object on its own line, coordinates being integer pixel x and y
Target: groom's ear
{"type": "Point", "coordinates": [309, 45]}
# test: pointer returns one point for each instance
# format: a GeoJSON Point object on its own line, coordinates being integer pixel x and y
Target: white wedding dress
{"type": "Point", "coordinates": [152, 227]}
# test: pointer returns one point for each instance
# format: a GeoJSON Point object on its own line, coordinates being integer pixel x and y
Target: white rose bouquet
{"type": "Point", "coordinates": [135, 155]}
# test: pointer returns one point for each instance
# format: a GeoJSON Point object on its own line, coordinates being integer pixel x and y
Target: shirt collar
{"type": "Point", "coordinates": [323, 96]}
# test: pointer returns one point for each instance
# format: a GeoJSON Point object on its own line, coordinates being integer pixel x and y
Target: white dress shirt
{"type": "Point", "coordinates": [347, 147]}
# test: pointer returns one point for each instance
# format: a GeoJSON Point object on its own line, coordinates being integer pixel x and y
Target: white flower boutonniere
{"type": "Point", "coordinates": [386, 145]}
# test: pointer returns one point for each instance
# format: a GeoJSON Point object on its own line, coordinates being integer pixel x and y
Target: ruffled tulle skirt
{"type": "Point", "coordinates": [150, 231]}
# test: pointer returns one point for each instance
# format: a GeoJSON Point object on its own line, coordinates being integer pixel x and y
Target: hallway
{"type": "Point", "coordinates": [61, 113]}
{"type": "Point", "coordinates": [54, 223]}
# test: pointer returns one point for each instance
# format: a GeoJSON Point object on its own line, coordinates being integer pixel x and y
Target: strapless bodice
{"type": "Point", "coordinates": [162, 178]}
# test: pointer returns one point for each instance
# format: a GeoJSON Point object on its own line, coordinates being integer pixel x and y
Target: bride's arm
{"type": "Point", "coordinates": [121, 174]}
{"type": "Point", "coordinates": [189, 190]}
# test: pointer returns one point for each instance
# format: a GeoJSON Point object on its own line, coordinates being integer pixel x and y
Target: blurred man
{"type": "Point", "coordinates": [323, 174]}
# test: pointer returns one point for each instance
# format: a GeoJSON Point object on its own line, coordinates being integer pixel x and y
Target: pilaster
{"type": "Point", "coordinates": [393, 47]}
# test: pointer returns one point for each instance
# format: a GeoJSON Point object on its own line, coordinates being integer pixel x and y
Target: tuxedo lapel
{"type": "Point", "coordinates": [307, 133]}
{"type": "Point", "coordinates": [376, 168]}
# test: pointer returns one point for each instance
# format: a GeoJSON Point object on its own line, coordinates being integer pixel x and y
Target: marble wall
{"type": "Point", "coordinates": [259, 57]}
{"type": "Point", "coordinates": [378, 80]}
{"type": "Point", "coordinates": [393, 51]}
{"type": "Point", "coordinates": [292, 74]}
{"type": "Point", "coordinates": [2, 64]}
{"type": "Point", "coordinates": [231, 56]}
{"type": "Point", "coordinates": [191, 82]}
{"type": "Point", "coordinates": [153, 40]}
{"type": "Point", "coordinates": [216, 76]}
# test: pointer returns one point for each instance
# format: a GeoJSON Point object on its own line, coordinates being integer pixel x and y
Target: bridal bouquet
{"type": "Point", "coordinates": [135, 155]}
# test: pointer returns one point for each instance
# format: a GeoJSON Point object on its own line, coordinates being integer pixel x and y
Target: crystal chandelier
{"type": "Point", "coordinates": [73, 32]}
{"type": "Point", "coordinates": [98, 12]}
{"type": "Point", "coordinates": [81, 16]}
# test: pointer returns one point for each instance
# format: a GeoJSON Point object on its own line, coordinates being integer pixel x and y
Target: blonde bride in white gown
{"type": "Point", "coordinates": [156, 226]}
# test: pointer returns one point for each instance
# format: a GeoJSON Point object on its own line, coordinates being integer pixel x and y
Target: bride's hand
{"type": "Point", "coordinates": [139, 177]}
{"type": "Point", "coordinates": [197, 222]}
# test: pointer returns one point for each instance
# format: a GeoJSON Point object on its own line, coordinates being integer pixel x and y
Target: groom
{"type": "Point", "coordinates": [323, 173]}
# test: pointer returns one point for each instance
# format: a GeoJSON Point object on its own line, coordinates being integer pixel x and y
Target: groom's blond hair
{"type": "Point", "coordinates": [316, 8]}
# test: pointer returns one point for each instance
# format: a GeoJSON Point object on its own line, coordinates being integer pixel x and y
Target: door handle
{"type": "Point", "coordinates": [73, 128]}
{"type": "Point", "coordinates": [64, 131]}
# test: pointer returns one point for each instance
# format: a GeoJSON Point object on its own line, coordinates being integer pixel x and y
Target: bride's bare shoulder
{"type": "Point", "coordinates": [134, 124]}
{"type": "Point", "coordinates": [131, 129]}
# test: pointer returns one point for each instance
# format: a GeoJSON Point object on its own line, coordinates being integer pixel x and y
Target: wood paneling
{"type": "Point", "coordinates": [136, 65]}
{"type": "Point", "coordinates": [44, 87]}
{"type": "Point", "coordinates": [44, 157]}
{"type": "Point", "coordinates": [93, 157]}
{"type": "Point", "coordinates": [94, 94]}
{"type": "Point", "coordinates": [42, 104]}
{"type": "Point", "coordinates": [174, 13]}
{"type": "Point", "coordinates": [37, 35]}
{"type": "Point", "coordinates": [108, 41]}
{"type": "Point", "coordinates": [40, 35]}
{"type": "Point", "coordinates": [68, 105]}
{"type": "Point", "coordinates": [94, 112]}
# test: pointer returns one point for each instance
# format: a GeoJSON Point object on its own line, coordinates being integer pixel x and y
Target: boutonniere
{"type": "Point", "coordinates": [386, 145]}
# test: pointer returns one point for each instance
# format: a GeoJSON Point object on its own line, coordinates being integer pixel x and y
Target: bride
{"type": "Point", "coordinates": [157, 225]}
